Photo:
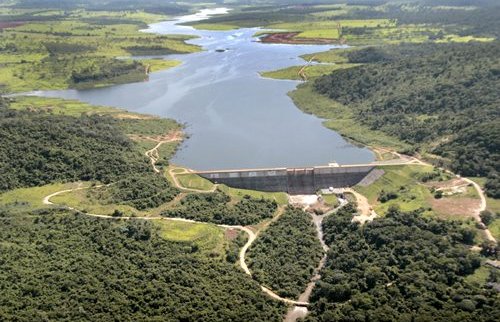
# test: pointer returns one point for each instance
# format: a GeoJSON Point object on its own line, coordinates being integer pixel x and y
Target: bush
{"type": "Point", "coordinates": [385, 196]}
{"type": "Point", "coordinates": [487, 217]}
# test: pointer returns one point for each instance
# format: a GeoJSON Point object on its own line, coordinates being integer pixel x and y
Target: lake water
{"type": "Point", "coordinates": [234, 117]}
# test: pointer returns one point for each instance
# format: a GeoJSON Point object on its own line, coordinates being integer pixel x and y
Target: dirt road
{"type": "Point", "coordinates": [242, 255]}
{"type": "Point", "coordinates": [153, 154]}
{"type": "Point", "coordinates": [177, 183]}
{"type": "Point", "coordinates": [300, 311]}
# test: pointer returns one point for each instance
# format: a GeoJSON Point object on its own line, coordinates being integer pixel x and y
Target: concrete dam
{"type": "Point", "coordinates": [294, 181]}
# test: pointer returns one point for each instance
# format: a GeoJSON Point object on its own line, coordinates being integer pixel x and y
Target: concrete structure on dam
{"type": "Point", "coordinates": [291, 180]}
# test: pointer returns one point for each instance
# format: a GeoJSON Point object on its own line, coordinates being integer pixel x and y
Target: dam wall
{"type": "Point", "coordinates": [292, 180]}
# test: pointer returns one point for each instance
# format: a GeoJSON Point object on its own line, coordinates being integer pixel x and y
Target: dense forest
{"type": "Point", "coordinates": [215, 208]}
{"type": "Point", "coordinates": [444, 97]}
{"type": "Point", "coordinates": [402, 267]}
{"type": "Point", "coordinates": [141, 191]}
{"type": "Point", "coordinates": [67, 267]}
{"type": "Point", "coordinates": [38, 148]}
{"type": "Point", "coordinates": [285, 255]}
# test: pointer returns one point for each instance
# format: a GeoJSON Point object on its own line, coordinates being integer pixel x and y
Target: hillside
{"type": "Point", "coordinates": [400, 268]}
{"type": "Point", "coordinates": [440, 99]}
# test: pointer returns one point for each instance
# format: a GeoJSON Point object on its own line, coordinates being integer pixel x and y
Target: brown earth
{"type": "Point", "coordinates": [10, 24]}
{"type": "Point", "coordinates": [231, 234]}
{"type": "Point", "coordinates": [455, 182]}
{"type": "Point", "coordinates": [455, 206]}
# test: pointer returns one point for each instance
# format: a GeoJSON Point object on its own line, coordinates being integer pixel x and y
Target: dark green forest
{"type": "Point", "coordinates": [402, 267]}
{"type": "Point", "coordinates": [38, 148]}
{"type": "Point", "coordinates": [141, 191]}
{"type": "Point", "coordinates": [443, 98]}
{"type": "Point", "coordinates": [109, 70]}
{"type": "Point", "coordinates": [67, 267]}
{"type": "Point", "coordinates": [215, 208]}
{"type": "Point", "coordinates": [285, 255]}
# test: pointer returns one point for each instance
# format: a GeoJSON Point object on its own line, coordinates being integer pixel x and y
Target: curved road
{"type": "Point", "coordinates": [251, 236]}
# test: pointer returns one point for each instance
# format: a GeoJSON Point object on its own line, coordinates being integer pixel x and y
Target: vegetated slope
{"type": "Point", "coordinates": [137, 190]}
{"type": "Point", "coordinates": [214, 208]}
{"type": "Point", "coordinates": [285, 255]}
{"type": "Point", "coordinates": [38, 148]}
{"type": "Point", "coordinates": [67, 267]}
{"type": "Point", "coordinates": [402, 267]}
{"type": "Point", "coordinates": [443, 98]}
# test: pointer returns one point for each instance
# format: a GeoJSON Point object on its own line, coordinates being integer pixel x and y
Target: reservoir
{"type": "Point", "coordinates": [234, 118]}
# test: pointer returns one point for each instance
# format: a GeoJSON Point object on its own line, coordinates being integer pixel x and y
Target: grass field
{"type": "Point", "coordinates": [214, 26]}
{"type": "Point", "coordinates": [336, 56]}
{"type": "Point", "coordinates": [60, 106]}
{"type": "Point", "coordinates": [80, 200]}
{"type": "Point", "coordinates": [403, 180]}
{"type": "Point", "coordinates": [492, 205]}
{"type": "Point", "coordinates": [280, 197]}
{"type": "Point", "coordinates": [332, 24]}
{"type": "Point", "coordinates": [409, 193]}
{"type": "Point", "coordinates": [158, 64]}
{"type": "Point", "coordinates": [331, 200]}
{"type": "Point", "coordinates": [194, 181]}
{"type": "Point", "coordinates": [27, 199]}
{"type": "Point", "coordinates": [340, 118]}
{"type": "Point", "coordinates": [79, 49]}
{"type": "Point", "coordinates": [494, 228]}
{"type": "Point", "coordinates": [319, 33]}
{"type": "Point", "coordinates": [310, 71]}
{"type": "Point", "coordinates": [209, 238]}
{"type": "Point", "coordinates": [480, 276]}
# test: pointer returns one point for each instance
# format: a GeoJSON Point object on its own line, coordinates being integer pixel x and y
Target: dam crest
{"type": "Point", "coordinates": [294, 181]}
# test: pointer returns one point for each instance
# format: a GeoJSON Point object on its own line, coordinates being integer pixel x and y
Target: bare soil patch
{"type": "Point", "coordinates": [231, 234]}
{"type": "Point", "coordinates": [130, 116]}
{"type": "Point", "coordinates": [455, 182]}
{"type": "Point", "coordinates": [168, 137]}
{"type": "Point", "coordinates": [10, 24]}
{"type": "Point", "coordinates": [455, 207]}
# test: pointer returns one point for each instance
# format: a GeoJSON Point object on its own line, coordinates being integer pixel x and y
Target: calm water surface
{"type": "Point", "coordinates": [234, 117]}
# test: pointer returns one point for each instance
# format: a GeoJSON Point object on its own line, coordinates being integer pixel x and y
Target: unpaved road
{"type": "Point", "coordinates": [366, 213]}
{"type": "Point", "coordinates": [251, 235]}
{"type": "Point", "coordinates": [300, 311]}
{"type": "Point", "coordinates": [177, 184]}
{"type": "Point", "coordinates": [153, 154]}
{"type": "Point", "coordinates": [481, 208]}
